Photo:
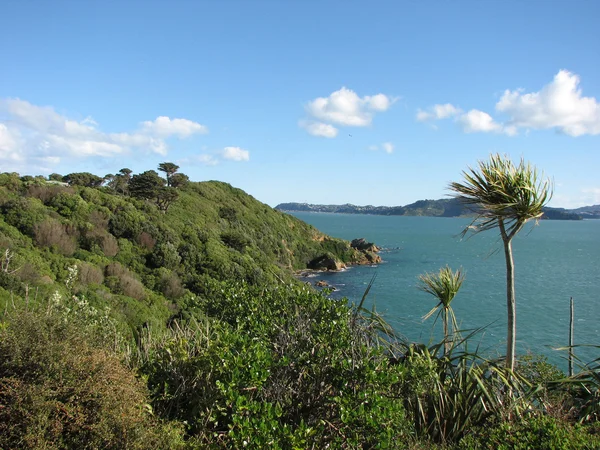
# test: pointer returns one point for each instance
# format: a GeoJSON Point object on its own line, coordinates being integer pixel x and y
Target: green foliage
{"type": "Point", "coordinates": [165, 254]}
{"type": "Point", "coordinates": [55, 227]}
{"type": "Point", "coordinates": [583, 389]}
{"type": "Point", "coordinates": [198, 300]}
{"type": "Point", "coordinates": [83, 179]}
{"type": "Point", "coordinates": [67, 205]}
{"type": "Point", "coordinates": [10, 181]}
{"type": "Point", "coordinates": [443, 285]}
{"type": "Point", "coordinates": [146, 185]}
{"type": "Point", "coordinates": [500, 191]}
{"type": "Point", "coordinates": [531, 432]}
{"type": "Point", "coordinates": [235, 240]}
{"type": "Point", "coordinates": [169, 169]}
{"type": "Point", "coordinates": [446, 393]}
{"type": "Point", "coordinates": [179, 180]}
{"type": "Point", "coordinates": [274, 367]}
{"type": "Point", "coordinates": [23, 214]}
{"type": "Point", "coordinates": [165, 197]}
{"type": "Point", "coordinates": [506, 196]}
{"type": "Point", "coordinates": [537, 370]}
{"type": "Point", "coordinates": [58, 389]}
{"type": "Point", "coordinates": [55, 177]}
{"type": "Point", "coordinates": [228, 213]}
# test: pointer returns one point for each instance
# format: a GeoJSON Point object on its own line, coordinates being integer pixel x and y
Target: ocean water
{"type": "Point", "coordinates": [554, 261]}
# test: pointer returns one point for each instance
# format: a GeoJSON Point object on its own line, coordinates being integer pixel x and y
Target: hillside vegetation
{"type": "Point", "coordinates": [142, 312]}
{"type": "Point", "coordinates": [144, 262]}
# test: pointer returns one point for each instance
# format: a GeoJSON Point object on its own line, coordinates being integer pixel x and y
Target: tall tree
{"type": "Point", "coordinates": [55, 177]}
{"type": "Point", "coordinates": [146, 185]}
{"type": "Point", "coordinates": [179, 180]}
{"type": "Point", "coordinates": [120, 181]}
{"type": "Point", "coordinates": [126, 173]}
{"type": "Point", "coordinates": [506, 196]}
{"type": "Point", "coordinates": [108, 179]}
{"type": "Point", "coordinates": [83, 179]}
{"type": "Point", "coordinates": [444, 286]}
{"type": "Point", "coordinates": [165, 197]}
{"type": "Point", "coordinates": [169, 169]}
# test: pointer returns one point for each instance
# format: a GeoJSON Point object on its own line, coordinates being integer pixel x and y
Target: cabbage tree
{"type": "Point", "coordinates": [444, 286]}
{"type": "Point", "coordinates": [505, 196]}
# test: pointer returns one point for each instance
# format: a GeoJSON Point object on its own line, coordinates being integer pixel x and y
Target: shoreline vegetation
{"type": "Point", "coordinates": [431, 208]}
{"type": "Point", "coordinates": [147, 311]}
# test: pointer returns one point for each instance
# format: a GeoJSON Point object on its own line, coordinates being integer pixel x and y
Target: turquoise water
{"type": "Point", "coordinates": [554, 261]}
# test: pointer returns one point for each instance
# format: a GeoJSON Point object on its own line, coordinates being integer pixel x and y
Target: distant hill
{"type": "Point", "coordinates": [434, 208]}
{"type": "Point", "coordinates": [588, 212]}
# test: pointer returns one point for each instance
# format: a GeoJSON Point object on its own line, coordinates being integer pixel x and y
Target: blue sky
{"type": "Point", "coordinates": [378, 103]}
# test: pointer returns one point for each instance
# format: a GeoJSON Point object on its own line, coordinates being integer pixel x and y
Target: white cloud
{"type": "Point", "coordinates": [378, 102]}
{"type": "Point", "coordinates": [235, 154]}
{"type": "Point", "coordinates": [343, 107]}
{"type": "Point", "coordinates": [37, 136]}
{"type": "Point", "coordinates": [478, 121]}
{"type": "Point", "coordinates": [43, 119]}
{"type": "Point", "coordinates": [207, 160]}
{"type": "Point", "coordinates": [82, 147]}
{"type": "Point", "coordinates": [139, 140]}
{"type": "Point", "coordinates": [8, 144]}
{"type": "Point", "coordinates": [388, 147]}
{"type": "Point", "coordinates": [319, 129]}
{"type": "Point", "coordinates": [576, 199]}
{"type": "Point", "coordinates": [592, 196]}
{"type": "Point", "coordinates": [559, 105]}
{"type": "Point", "coordinates": [164, 127]}
{"type": "Point", "coordinates": [439, 111]}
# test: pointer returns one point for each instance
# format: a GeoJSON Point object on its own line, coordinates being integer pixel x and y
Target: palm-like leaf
{"type": "Point", "coordinates": [502, 191]}
{"type": "Point", "coordinates": [443, 285]}
{"type": "Point", "coordinates": [506, 196]}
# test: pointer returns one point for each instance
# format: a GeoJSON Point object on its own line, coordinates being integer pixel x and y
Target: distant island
{"type": "Point", "coordinates": [433, 208]}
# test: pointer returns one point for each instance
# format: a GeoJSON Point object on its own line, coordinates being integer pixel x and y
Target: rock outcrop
{"type": "Point", "coordinates": [326, 262]}
{"type": "Point", "coordinates": [362, 245]}
{"type": "Point", "coordinates": [367, 251]}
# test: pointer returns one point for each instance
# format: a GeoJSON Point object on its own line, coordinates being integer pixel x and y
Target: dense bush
{"type": "Point", "coordinates": [275, 367]}
{"type": "Point", "coordinates": [52, 233]}
{"type": "Point", "coordinates": [531, 432]}
{"type": "Point", "coordinates": [59, 390]}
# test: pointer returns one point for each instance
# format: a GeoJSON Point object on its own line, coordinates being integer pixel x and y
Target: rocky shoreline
{"type": "Point", "coordinates": [365, 254]}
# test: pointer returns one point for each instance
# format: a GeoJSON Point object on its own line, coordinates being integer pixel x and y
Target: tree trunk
{"type": "Point", "coordinates": [447, 342]}
{"type": "Point", "coordinates": [511, 333]}
{"type": "Point", "coordinates": [571, 343]}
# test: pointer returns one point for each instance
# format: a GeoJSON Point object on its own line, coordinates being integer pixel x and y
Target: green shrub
{"type": "Point", "coordinates": [23, 214]}
{"type": "Point", "coordinates": [531, 432]}
{"type": "Point", "coordinates": [165, 255]}
{"type": "Point", "coordinates": [58, 390]}
{"type": "Point", "coordinates": [282, 367]}
{"type": "Point", "coordinates": [67, 205]}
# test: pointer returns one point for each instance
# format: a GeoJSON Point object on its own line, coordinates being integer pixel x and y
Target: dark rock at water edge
{"type": "Point", "coordinates": [367, 251]}
{"type": "Point", "coordinates": [362, 245]}
{"type": "Point", "coordinates": [326, 262]}
{"type": "Point", "coordinates": [363, 253]}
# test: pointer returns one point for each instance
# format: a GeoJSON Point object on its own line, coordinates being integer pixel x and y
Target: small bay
{"type": "Point", "coordinates": [554, 261]}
